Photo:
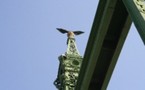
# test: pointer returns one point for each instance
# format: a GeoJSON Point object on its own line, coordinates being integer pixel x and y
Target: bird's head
{"type": "Point", "coordinates": [70, 34]}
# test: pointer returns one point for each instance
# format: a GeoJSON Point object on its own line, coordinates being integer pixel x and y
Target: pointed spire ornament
{"type": "Point", "coordinates": [70, 63]}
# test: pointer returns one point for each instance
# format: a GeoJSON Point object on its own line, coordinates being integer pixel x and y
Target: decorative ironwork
{"type": "Point", "coordinates": [72, 49]}
{"type": "Point", "coordinates": [70, 64]}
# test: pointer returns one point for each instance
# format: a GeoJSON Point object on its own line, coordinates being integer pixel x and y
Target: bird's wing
{"type": "Point", "coordinates": [78, 32]}
{"type": "Point", "coordinates": [62, 30]}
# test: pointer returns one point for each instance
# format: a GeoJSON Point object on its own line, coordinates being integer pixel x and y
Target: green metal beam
{"type": "Point", "coordinates": [95, 42]}
{"type": "Point", "coordinates": [136, 9]}
{"type": "Point", "coordinates": [109, 31]}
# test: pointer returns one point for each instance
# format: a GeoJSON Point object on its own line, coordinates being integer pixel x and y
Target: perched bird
{"type": "Point", "coordinates": [70, 34]}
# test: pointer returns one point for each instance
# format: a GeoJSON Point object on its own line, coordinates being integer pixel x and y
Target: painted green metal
{"type": "Point", "coordinates": [108, 33]}
{"type": "Point", "coordinates": [136, 8]}
{"type": "Point", "coordinates": [69, 67]}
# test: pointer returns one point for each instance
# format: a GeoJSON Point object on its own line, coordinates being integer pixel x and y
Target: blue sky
{"type": "Point", "coordinates": [30, 44]}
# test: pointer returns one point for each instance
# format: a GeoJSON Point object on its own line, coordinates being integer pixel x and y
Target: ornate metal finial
{"type": "Point", "coordinates": [70, 63]}
{"type": "Point", "coordinates": [72, 48]}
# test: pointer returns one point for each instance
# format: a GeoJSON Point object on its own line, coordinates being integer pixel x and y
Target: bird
{"type": "Point", "coordinates": [70, 34]}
